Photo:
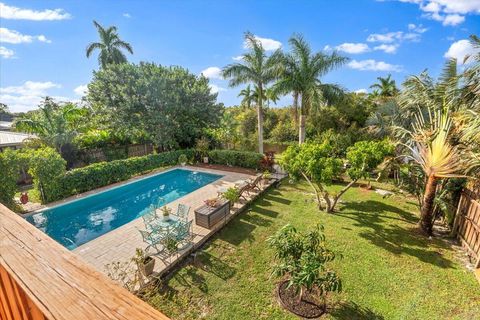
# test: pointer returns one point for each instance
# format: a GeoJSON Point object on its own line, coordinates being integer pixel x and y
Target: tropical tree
{"type": "Point", "coordinates": [54, 124]}
{"type": "Point", "coordinates": [385, 87]}
{"type": "Point", "coordinates": [110, 46]}
{"type": "Point", "coordinates": [301, 71]}
{"type": "Point", "coordinates": [247, 97]}
{"type": "Point", "coordinates": [319, 165]}
{"type": "Point", "coordinates": [303, 258]}
{"type": "Point", "coordinates": [258, 69]}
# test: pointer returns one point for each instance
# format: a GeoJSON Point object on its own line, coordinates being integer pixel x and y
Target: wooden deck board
{"type": "Point", "coordinates": [56, 281]}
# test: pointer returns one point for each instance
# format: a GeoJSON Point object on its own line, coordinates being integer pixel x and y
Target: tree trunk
{"type": "Point", "coordinates": [426, 217]}
{"type": "Point", "coordinates": [338, 195]}
{"type": "Point", "coordinates": [295, 109]}
{"type": "Point", "coordinates": [317, 193]}
{"type": "Point", "coordinates": [260, 119]}
{"type": "Point", "coordinates": [301, 131]}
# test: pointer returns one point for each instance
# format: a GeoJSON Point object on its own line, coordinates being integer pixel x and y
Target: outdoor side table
{"type": "Point", "coordinates": [207, 216]}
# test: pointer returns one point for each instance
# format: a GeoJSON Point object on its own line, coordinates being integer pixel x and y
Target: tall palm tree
{"type": "Point", "coordinates": [271, 95]}
{"type": "Point", "coordinates": [386, 87]}
{"type": "Point", "coordinates": [247, 94]}
{"type": "Point", "coordinates": [300, 74]}
{"type": "Point", "coordinates": [110, 46]}
{"type": "Point", "coordinates": [257, 68]}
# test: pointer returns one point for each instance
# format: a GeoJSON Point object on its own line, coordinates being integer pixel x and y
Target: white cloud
{"type": "Point", "coordinates": [417, 28]}
{"type": "Point", "coordinates": [267, 44]}
{"type": "Point", "coordinates": [448, 12]}
{"type": "Point", "coordinates": [9, 12]}
{"type": "Point", "coordinates": [460, 49]}
{"type": "Point", "coordinates": [212, 73]}
{"type": "Point", "coordinates": [238, 58]}
{"type": "Point", "coordinates": [353, 48]}
{"type": "Point", "coordinates": [387, 48]}
{"type": "Point", "coordinates": [6, 53]}
{"type": "Point", "coordinates": [385, 37]}
{"type": "Point", "coordinates": [215, 89]}
{"type": "Point", "coordinates": [127, 15]}
{"type": "Point", "coordinates": [81, 90]}
{"type": "Point", "coordinates": [372, 65]}
{"type": "Point", "coordinates": [27, 96]}
{"type": "Point", "coordinates": [15, 37]}
{"type": "Point", "coordinates": [361, 91]}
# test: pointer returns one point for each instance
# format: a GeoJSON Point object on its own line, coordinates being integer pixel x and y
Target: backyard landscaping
{"type": "Point", "coordinates": [388, 270]}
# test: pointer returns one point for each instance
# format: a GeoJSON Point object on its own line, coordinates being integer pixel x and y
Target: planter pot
{"type": "Point", "coordinates": [147, 268]}
{"type": "Point", "coordinates": [165, 218]}
{"type": "Point", "coordinates": [205, 160]}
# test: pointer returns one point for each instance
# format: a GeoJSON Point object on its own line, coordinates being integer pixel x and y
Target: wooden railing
{"type": "Point", "coordinates": [40, 279]}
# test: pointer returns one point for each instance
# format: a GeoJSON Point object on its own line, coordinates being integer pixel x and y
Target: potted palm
{"type": "Point", "coordinates": [232, 195]}
{"type": "Point", "coordinates": [182, 160]}
{"type": "Point", "coordinates": [202, 146]}
{"type": "Point", "coordinates": [145, 263]}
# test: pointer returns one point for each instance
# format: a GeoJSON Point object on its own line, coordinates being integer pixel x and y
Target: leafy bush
{"type": "Point", "coordinates": [9, 168]}
{"type": "Point", "coordinates": [243, 159]}
{"type": "Point", "coordinates": [232, 194]}
{"type": "Point", "coordinates": [365, 156]}
{"type": "Point", "coordinates": [47, 167]}
{"type": "Point", "coordinates": [302, 257]}
{"type": "Point", "coordinates": [182, 159]}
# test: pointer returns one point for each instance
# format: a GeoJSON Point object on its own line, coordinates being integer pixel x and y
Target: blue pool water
{"type": "Point", "coordinates": [79, 221]}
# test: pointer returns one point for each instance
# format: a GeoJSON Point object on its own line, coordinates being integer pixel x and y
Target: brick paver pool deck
{"type": "Point", "coordinates": [119, 245]}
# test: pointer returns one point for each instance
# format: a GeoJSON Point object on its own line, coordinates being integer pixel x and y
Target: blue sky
{"type": "Point", "coordinates": [42, 49]}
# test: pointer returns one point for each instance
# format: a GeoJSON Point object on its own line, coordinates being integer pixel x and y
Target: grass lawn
{"type": "Point", "coordinates": [388, 270]}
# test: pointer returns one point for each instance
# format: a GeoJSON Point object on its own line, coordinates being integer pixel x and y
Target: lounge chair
{"type": "Point", "coordinates": [249, 186]}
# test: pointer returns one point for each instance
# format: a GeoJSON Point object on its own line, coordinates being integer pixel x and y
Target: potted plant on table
{"type": "Point", "coordinates": [212, 202]}
{"type": "Point", "coordinates": [166, 211]}
{"type": "Point", "coordinates": [145, 263]}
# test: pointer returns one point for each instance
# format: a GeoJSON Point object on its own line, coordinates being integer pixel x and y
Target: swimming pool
{"type": "Point", "coordinates": [77, 222]}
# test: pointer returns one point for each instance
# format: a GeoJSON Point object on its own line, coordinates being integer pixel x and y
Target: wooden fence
{"type": "Point", "coordinates": [40, 279]}
{"type": "Point", "coordinates": [467, 224]}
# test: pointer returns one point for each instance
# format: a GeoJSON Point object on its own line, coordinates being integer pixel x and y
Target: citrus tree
{"type": "Point", "coordinates": [303, 257]}
{"type": "Point", "coordinates": [318, 164]}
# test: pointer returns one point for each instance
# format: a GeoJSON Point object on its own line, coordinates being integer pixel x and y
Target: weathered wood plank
{"type": "Point", "coordinates": [56, 281]}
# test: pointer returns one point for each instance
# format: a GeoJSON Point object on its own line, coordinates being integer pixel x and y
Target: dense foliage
{"type": "Point", "coordinates": [46, 166]}
{"type": "Point", "coordinates": [9, 168]}
{"type": "Point", "coordinates": [236, 158]}
{"type": "Point", "coordinates": [168, 104]}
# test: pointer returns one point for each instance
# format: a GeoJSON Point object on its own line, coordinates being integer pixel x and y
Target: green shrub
{"type": "Point", "coordinates": [47, 167]}
{"type": "Point", "coordinates": [182, 159]}
{"type": "Point", "coordinates": [9, 168]}
{"type": "Point", "coordinates": [243, 159]}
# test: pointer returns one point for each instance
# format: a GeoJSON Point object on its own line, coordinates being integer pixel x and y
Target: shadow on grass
{"type": "Point", "coordinates": [351, 310]}
{"type": "Point", "coordinates": [190, 277]}
{"type": "Point", "coordinates": [215, 266]}
{"type": "Point", "coordinates": [237, 232]}
{"type": "Point", "coordinates": [383, 220]}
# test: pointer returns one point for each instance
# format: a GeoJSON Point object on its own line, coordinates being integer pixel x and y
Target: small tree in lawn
{"type": "Point", "coordinates": [303, 258]}
{"type": "Point", "coordinates": [318, 164]}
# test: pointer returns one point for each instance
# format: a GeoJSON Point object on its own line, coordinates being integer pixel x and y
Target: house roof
{"type": "Point", "coordinates": [8, 139]}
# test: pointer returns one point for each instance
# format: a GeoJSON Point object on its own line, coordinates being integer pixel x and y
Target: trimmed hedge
{"type": "Point", "coordinates": [243, 159]}
{"type": "Point", "coordinates": [104, 173]}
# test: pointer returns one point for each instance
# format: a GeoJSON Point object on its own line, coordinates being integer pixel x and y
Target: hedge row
{"type": "Point", "coordinates": [105, 173]}
{"type": "Point", "coordinates": [236, 158]}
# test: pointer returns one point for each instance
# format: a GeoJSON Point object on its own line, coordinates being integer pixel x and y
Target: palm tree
{"type": "Point", "coordinates": [257, 68]}
{"type": "Point", "coordinates": [110, 46]}
{"type": "Point", "coordinates": [271, 95]}
{"type": "Point", "coordinates": [300, 74]}
{"type": "Point", "coordinates": [247, 95]}
{"type": "Point", "coordinates": [386, 87]}
{"type": "Point", "coordinates": [55, 125]}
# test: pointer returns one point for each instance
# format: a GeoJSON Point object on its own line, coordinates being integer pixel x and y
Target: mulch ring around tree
{"type": "Point", "coordinates": [310, 307]}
